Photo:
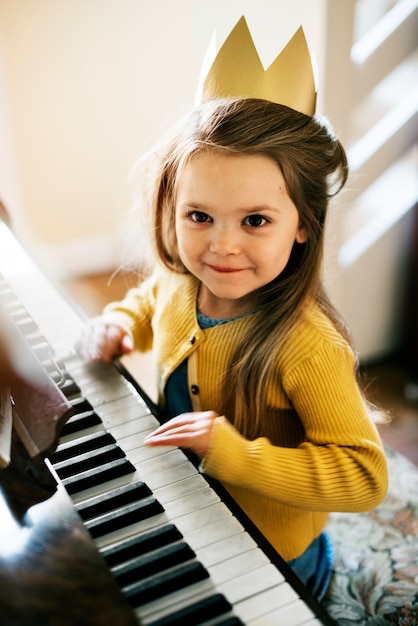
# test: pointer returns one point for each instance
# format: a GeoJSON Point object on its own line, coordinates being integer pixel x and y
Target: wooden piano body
{"type": "Point", "coordinates": [108, 530]}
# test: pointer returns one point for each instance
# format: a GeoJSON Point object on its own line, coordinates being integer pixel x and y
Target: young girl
{"type": "Point", "coordinates": [255, 369]}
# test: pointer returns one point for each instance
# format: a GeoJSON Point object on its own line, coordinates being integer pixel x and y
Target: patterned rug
{"type": "Point", "coordinates": [375, 579]}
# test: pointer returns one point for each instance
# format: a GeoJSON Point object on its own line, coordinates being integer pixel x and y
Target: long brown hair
{"type": "Point", "coordinates": [314, 166]}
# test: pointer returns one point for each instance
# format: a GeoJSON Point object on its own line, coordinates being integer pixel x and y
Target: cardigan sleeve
{"type": "Point", "coordinates": [340, 466]}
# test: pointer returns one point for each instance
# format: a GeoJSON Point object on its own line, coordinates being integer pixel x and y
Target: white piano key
{"type": "Point", "coordinates": [122, 481]}
{"type": "Point", "coordinates": [140, 454]}
{"type": "Point", "coordinates": [121, 411]}
{"type": "Point", "coordinates": [106, 393]}
{"type": "Point", "coordinates": [163, 459]}
{"type": "Point", "coordinates": [203, 518]}
{"type": "Point", "coordinates": [247, 585]}
{"type": "Point", "coordinates": [296, 613]}
{"type": "Point", "coordinates": [128, 430]}
{"type": "Point", "coordinates": [72, 437]}
{"type": "Point", "coordinates": [214, 532]}
{"type": "Point", "coordinates": [265, 603]}
{"type": "Point", "coordinates": [183, 488]}
{"type": "Point", "coordinates": [185, 504]}
{"type": "Point", "coordinates": [162, 476]}
{"type": "Point", "coordinates": [219, 550]}
{"type": "Point", "coordinates": [140, 527]}
{"type": "Point", "coordinates": [243, 563]}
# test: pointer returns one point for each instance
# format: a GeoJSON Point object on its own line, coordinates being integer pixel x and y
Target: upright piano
{"type": "Point", "coordinates": [97, 528]}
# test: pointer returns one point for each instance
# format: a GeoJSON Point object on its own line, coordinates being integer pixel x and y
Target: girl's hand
{"type": "Point", "coordinates": [101, 341]}
{"type": "Point", "coordinates": [188, 430]}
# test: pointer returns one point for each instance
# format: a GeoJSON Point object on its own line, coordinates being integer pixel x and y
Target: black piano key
{"type": "Point", "coordinates": [43, 352]}
{"type": "Point", "coordinates": [96, 440]}
{"type": "Point", "coordinates": [137, 545]}
{"type": "Point", "coordinates": [163, 584]}
{"type": "Point", "coordinates": [81, 405]}
{"type": "Point", "coordinates": [7, 295]}
{"type": "Point", "coordinates": [49, 362]}
{"type": "Point", "coordinates": [56, 371]}
{"type": "Point", "coordinates": [80, 421]}
{"type": "Point", "coordinates": [57, 376]}
{"type": "Point", "coordinates": [35, 338]}
{"type": "Point", "coordinates": [98, 475]}
{"type": "Point", "coordinates": [67, 385]}
{"type": "Point", "coordinates": [152, 563]}
{"type": "Point", "coordinates": [26, 325]}
{"type": "Point", "coordinates": [88, 460]}
{"type": "Point", "coordinates": [123, 517]}
{"type": "Point", "coordinates": [200, 612]}
{"type": "Point", "coordinates": [69, 388]}
{"type": "Point", "coordinates": [12, 304]}
{"type": "Point", "coordinates": [231, 621]}
{"type": "Point", "coordinates": [9, 302]}
{"type": "Point", "coordinates": [113, 499]}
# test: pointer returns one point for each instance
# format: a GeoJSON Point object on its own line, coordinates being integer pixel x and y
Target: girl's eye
{"type": "Point", "coordinates": [199, 217]}
{"type": "Point", "coordinates": [255, 220]}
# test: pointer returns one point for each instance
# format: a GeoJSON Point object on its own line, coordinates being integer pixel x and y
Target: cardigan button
{"type": "Point", "coordinates": [194, 389]}
{"type": "Point", "coordinates": [192, 340]}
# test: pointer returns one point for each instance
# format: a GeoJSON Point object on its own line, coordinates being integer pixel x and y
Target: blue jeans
{"type": "Point", "coordinates": [314, 566]}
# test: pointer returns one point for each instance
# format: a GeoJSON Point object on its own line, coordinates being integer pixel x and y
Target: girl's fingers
{"type": "Point", "coordinates": [175, 422]}
{"type": "Point", "coordinates": [184, 421]}
{"type": "Point", "coordinates": [189, 430]}
{"type": "Point", "coordinates": [127, 344]}
{"type": "Point", "coordinates": [100, 341]}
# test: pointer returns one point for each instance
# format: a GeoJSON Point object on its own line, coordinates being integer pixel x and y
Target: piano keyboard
{"type": "Point", "coordinates": [177, 551]}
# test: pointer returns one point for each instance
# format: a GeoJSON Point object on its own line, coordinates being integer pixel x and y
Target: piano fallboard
{"type": "Point", "coordinates": [178, 548]}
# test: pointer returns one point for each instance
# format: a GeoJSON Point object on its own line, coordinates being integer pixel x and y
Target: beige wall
{"type": "Point", "coordinates": [86, 85]}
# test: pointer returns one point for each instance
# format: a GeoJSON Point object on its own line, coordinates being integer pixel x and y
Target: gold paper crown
{"type": "Point", "coordinates": [237, 71]}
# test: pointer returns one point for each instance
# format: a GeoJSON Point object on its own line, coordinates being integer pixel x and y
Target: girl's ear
{"type": "Point", "coordinates": [301, 235]}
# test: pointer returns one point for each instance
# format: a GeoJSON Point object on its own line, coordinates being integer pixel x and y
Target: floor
{"type": "Point", "coordinates": [386, 383]}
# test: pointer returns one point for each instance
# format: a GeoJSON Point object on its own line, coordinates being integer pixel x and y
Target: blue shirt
{"type": "Point", "coordinates": [176, 390]}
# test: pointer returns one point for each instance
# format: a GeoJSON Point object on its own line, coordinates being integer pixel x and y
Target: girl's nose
{"type": "Point", "coordinates": [224, 241]}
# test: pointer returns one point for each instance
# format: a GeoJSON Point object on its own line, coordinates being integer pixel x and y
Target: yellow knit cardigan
{"type": "Point", "coordinates": [317, 450]}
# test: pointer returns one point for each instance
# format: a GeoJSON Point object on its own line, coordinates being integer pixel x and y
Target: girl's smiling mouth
{"type": "Point", "coordinates": [225, 270]}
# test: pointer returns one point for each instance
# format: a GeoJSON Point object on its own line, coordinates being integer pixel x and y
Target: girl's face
{"type": "Point", "coordinates": [235, 227]}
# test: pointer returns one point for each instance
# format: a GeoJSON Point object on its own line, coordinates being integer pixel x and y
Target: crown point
{"type": "Point", "coordinates": [236, 71]}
